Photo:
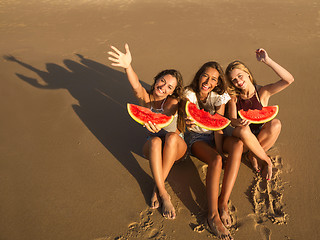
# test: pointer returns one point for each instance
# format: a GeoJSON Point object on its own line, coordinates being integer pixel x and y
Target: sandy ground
{"type": "Point", "coordinates": [70, 156]}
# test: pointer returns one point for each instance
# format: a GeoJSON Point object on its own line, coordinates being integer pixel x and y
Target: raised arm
{"type": "Point", "coordinates": [124, 60]}
{"type": "Point", "coordinates": [286, 77]}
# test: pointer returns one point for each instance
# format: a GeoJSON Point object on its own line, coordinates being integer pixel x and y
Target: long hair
{"type": "Point", "coordinates": [233, 90]}
{"type": "Point", "coordinates": [177, 93]}
{"type": "Point", "coordinates": [221, 85]}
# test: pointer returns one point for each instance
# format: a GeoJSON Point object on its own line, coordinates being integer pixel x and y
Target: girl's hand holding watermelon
{"type": "Point", "coordinates": [152, 127]}
{"type": "Point", "coordinates": [189, 123]}
{"type": "Point", "coordinates": [239, 122]}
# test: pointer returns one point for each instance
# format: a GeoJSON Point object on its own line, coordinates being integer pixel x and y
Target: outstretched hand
{"type": "Point", "coordinates": [120, 59]}
{"type": "Point", "coordinates": [262, 55]}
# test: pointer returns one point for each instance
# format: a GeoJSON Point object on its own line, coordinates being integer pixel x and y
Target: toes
{"type": "Point", "coordinates": [169, 215]}
{"type": "Point", "coordinates": [226, 237]}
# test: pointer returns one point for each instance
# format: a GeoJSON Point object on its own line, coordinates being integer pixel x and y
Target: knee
{"type": "Point", "coordinates": [215, 161]}
{"type": "Point", "coordinates": [243, 131]}
{"type": "Point", "coordinates": [155, 141]}
{"type": "Point", "coordinates": [172, 138]}
{"type": "Point", "coordinates": [275, 125]}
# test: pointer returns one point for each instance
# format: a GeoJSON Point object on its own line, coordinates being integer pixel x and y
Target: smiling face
{"type": "Point", "coordinates": [239, 78]}
{"type": "Point", "coordinates": [208, 80]}
{"type": "Point", "coordinates": [165, 86]}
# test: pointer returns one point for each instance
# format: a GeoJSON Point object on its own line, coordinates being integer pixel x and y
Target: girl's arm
{"type": "Point", "coordinates": [286, 77]}
{"type": "Point", "coordinates": [124, 60]}
{"type": "Point", "coordinates": [233, 115]}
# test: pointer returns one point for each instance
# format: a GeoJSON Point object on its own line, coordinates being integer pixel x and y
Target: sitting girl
{"type": "Point", "coordinates": [164, 146]}
{"type": "Point", "coordinates": [207, 91]}
{"type": "Point", "coordinates": [246, 94]}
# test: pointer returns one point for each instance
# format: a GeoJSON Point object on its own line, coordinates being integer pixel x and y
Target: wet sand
{"type": "Point", "coordinates": [70, 156]}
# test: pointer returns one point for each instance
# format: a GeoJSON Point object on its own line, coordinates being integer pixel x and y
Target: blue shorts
{"type": "Point", "coordinates": [192, 137]}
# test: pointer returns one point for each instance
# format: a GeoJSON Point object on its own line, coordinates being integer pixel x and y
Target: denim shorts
{"type": "Point", "coordinates": [192, 137]}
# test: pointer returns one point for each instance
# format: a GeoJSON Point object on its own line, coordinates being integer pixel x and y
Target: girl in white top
{"type": "Point", "coordinates": [164, 147]}
{"type": "Point", "coordinates": [207, 90]}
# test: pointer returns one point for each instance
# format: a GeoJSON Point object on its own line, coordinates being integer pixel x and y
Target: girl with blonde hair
{"type": "Point", "coordinates": [246, 94]}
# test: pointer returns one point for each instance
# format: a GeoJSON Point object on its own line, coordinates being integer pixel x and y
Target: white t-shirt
{"type": "Point", "coordinates": [213, 99]}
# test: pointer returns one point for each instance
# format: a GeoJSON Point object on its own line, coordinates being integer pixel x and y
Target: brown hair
{"type": "Point", "coordinates": [221, 85]}
{"type": "Point", "coordinates": [177, 93]}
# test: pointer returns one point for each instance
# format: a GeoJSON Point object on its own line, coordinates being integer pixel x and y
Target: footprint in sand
{"type": "Point", "coordinates": [267, 196]}
{"type": "Point", "coordinates": [145, 228]}
{"type": "Point", "coordinates": [264, 232]}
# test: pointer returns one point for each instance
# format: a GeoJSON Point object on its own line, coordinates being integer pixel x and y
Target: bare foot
{"type": "Point", "coordinates": [225, 216]}
{"type": "Point", "coordinates": [218, 228]}
{"type": "Point", "coordinates": [267, 171]}
{"type": "Point", "coordinates": [154, 199]}
{"type": "Point", "coordinates": [168, 210]}
{"type": "Point", "coordinates": [254, 162]}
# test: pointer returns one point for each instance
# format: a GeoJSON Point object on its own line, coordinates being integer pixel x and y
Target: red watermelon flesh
{"type": "Point", "coordinates": [204, 119]}
{"type": "Point", "coordinates": [256, 116]}
{"type": "Point", "coordinates": [144, 115]}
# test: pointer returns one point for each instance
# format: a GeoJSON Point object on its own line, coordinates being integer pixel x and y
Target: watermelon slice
{"type": "Point", "coordinates": [143, 115]}
{"type": "Point", "coordinates": [204, 119]}
{"type": "Point", "coordinates": [256, 116]}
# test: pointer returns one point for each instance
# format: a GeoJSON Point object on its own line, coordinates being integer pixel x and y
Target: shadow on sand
{"type": "Point", "coordinates": [102, 94]}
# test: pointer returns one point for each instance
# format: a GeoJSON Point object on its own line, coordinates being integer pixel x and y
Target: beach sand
{"type": "Point", "coordinates": [70, 156]}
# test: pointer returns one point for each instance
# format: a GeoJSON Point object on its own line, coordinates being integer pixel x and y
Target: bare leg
{"type": "Point", "coordinates": [267, 137]}
{"type": "Point", "coordinates": [234, 147]}
{"type": "Point", "coordinates": [269, 134]}
{"type": "Point", "coordinates": [174, 149]}
{"type": "Point", "coordinates": [252, 143]}
{"type": "Point", "coordinates": [153, 150]}
{"type": "Point", "coordinates": [161, 164]}
{"type": "Point", "coordinates": [210, 156]}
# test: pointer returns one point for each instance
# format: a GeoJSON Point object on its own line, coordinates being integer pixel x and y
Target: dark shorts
{"type": "Point", "coordinates": [255, 129]}
{"type": "Point", "coordinates": [192, 137]}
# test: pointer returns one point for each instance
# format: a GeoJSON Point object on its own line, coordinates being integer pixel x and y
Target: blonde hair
{"type": "Point", "coordinates": [232, 90]}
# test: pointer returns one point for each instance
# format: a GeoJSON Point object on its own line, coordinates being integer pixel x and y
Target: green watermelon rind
{"type": "Point", "coordinates": [143, 122]}
{"type": "Point", "coordinates": [202, 125]}
{"type": "Point", "coordinates": [263, 120]}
